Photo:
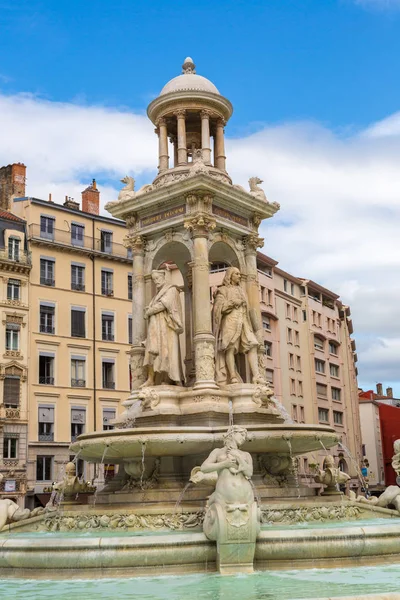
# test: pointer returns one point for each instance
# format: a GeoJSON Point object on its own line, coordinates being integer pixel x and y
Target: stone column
{"type": "Point", "coordinates": [182, 149]}
{"type": "Point", "coordinates": [205, 136]}
{"type": "Point", "coordinates": [137, 244]}
{"type": "Point", "coordinates": [162, 144]}
{"type": "Point", "coordinates": [173, 141]}
{"type": "Point", "coordinates": [204, 341]}
{"type": "Point", "coordinates": [219, 145]}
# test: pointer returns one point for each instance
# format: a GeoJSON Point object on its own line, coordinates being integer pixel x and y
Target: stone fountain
{"type": "Point", "coordinates": [202, 446]}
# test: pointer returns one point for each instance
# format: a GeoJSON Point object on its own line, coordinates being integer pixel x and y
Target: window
{"type": "Point", "coordinates": [337, 417]}
{"type": "Point", "coordinates": [78, 368]}
{"type": "Point", "coordinates": [266, 322]}
{"type": "Point", "coordinates": [47, 318]}
{"type": "Point", "coordinates": [285, 285]}
{"type": "Point", "coordinates": [269, 375]}
{"type": "Point", "coordinates": [107, 283]}
{"type": "Point", "coordinates": [322, 390]}
{"type": "Point", "coordinates": [291, 361]}
{"type": "Point", "coordinates": [289, 336]}
{"type": "Point", "coordinates": [295, 314]}
{"type": "Point", "coordinates": [302, 418]}
{"type": "Point", "coordinates": [218, 267]}
{"type": "Point", "coordinates": [319, 365]}
{"type": "Point", "coordinates": [294, 412]}
{"type": "Point", "coordinates": [78, 277]}
{"type": "Point", "coordinates": [13, 289]}
{"type": "Point", "coordinates": [13, 248]}
{"type": "Point", "coordinates": [11, 391]}
{"type": "Point", "coordinates": [106, 241]}
{"type": "Point", "coordinates": [129, 330]}
{"type": "Point", "coordinates": [108, 416]}
{"type": "Point", "coordinates": [78, 328]}
{"type": "Point", "coordinates": [12, 336]}
{"type": "Point", "coordinates": [47, 272]}
{"type": "Point", "coordinates": [304, 315]}
{"type": "Point", "coordinates": [296, 338]}
{"type": "Point", "coordinates": [305, 465]}
{"type": "Point", "coordinates": [78, 421]}
{"type": "Point", "coordinates": [269, 297]}
{"type": "Point", "coordinates": [292, 289]}
{"type": "Point", "coordinates": [10, 447]}
{"type": "Point", "coordinates": [333, 348]}
{"type": "Point", "coordinates": [318, 343]}
{"type": "Point", "coordinates": [46, 368]}
{"type": "Point", "coordinates": [130, 286]}
{"type": "Point", "coordinates": [77, 234]}
{"type": "Point", "coordinates": [299, 388]}
{"type": "Point", "coordinates": [288, 312]}
{"type": "Point", "coordinates": [107, 369]}
{"type": "Point", "coordinates": [46, 424]}
{"type": "Point", "coordinates": [292, 387]}
{"type": "Point", "coordinates": [298, 363]}
{"type": "Point", "coordinates": [335, 394]}
{"type": "Point", "coordinates": [268, 349]}
{"type": "Point", "coordinates": [323, 415]}
{"type": "Point", "coordinates": [334, 370]}
{"type": "Point", "coordinates": [47, 227]}
{"type": "Point", "coordinates": [44, 468]}
{"type": "Point", "coordinates": [107, 327]}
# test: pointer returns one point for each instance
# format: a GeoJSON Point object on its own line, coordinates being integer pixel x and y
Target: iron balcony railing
{"type": "Point", "coordinates": [47, 329]}
{"type": "Point", "coordinates": [78, 383]}
{"type": "Point", "coordinates": [45, 380]}
{"type": "Point", "coordinates": [47, 281]}
{"type": "Point", "coordinates": [88, 243]}
{"type": "Point", "coordinates": [109, 385]}
{"type": "Point", "coordinates": [46, 437]}
{"type": "Point", "coordinates": [79, 287]}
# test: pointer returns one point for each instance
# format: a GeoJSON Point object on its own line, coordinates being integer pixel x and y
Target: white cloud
{"type": "Point", "coordinates": [339, 196]}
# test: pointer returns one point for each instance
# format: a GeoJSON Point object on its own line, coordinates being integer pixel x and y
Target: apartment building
{"type": "Point", "coordinates": [15, 267]}
{"type": "Point", "coordinates": [79, 328]}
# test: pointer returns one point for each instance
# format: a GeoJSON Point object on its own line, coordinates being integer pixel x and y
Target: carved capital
{"type": "Point", "coordinates": [221, 122]}
{"type": "Point", "coordinates": [200, 224]}
{"type": "Point", "coordinates": [180, 113]}
{"type": "Point", "coordinates": [205, 114]}
{"type": "Point", "coordinates": [253, 241]}
{"type": "Point", "coordinates": [137, 243]}
{"type": "Point", "coordinates": [161, 122]}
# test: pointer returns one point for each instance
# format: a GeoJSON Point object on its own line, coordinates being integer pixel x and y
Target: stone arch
{"type": "Point", "coordinates": [224, 251]}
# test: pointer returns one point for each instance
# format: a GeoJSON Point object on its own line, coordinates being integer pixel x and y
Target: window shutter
{"type": "Point", "coordinates": [11, 390]}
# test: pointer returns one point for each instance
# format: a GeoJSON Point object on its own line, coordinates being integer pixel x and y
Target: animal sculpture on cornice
{"type": "Point", "coordinates": [128, 191]}
{"type": "Point", "coordinates": [259, 193]}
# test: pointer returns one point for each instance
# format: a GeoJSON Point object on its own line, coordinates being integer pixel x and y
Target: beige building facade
{"type": "Point", "coordinates": [79, 331]}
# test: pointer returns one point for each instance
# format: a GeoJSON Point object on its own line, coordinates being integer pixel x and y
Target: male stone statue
{"type": "Point", "coordinates": [233, 330]}
{"type": "Point", "coordinates": [164, 324]}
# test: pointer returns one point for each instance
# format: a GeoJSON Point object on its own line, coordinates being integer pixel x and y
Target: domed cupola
{"type": "Point", "coordinates": [189, 111]}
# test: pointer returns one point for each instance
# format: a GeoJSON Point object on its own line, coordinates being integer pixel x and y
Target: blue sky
{"type": "Point", "coordinates": [315, 86]}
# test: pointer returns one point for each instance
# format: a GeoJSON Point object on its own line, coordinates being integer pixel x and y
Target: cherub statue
{"type": "Point", "coordinates": [331, 476]}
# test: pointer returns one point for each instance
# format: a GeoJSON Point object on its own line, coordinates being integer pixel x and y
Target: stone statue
{"type": "Point", "coordinates": [396, 459]}
{"type": "Point", "coordinates": [127, 192]}
{"type": "Point", "coordinates": [232, 517]}
{"type": "Point", "coordinates": [10, 511]}
{"type": "Point", "coordinates": [255, 190]}
{"type": "Point", "coordinates": [70, 485]}
{"type": "Point", "coordinates": [164, 325]}
{"type": "Point", "coordinates": [233, 330]}
{"type": "Point", "coordinates": [331, 476]}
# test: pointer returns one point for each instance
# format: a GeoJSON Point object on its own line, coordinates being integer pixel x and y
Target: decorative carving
{"type": "Point", "coordinates": [149, 398]}
{"type": "Point", "coordinates": [173, 521]}
{"type": "Point", "coordinates": [161, 122]}
{"type": "Point", "coordinates": [204, 361]}
{"type": "Point", "coordinates": [310, 514]}
{"type": "Point", "coordinates": [262, 396]}
{"type": "Point", "coordinates": [396, 457]}
{"type": "Point", "coordinates": [256, 220]}
{"type": "Point", "coordinates": [253, 241]}
{"type": "Point", "coordinates": [132, 222]}
{"type": "Point", "coordinates": [136, 242]}
{"type": "Point", "coordinates": [199, 398]}
{"type": "Point", "coordinates": [233, 330]}
{"type": "Point", "coordinates": [137, 369]}
{"type": "Point", "coordinates": [10, 512]}
{"type": "Point", "coordinates": [331, 476]}
{"type": "Point", "coordinates": [255, 190]}
{"type": "Point", "coordinates": [70, 486]}
{"type": "Point", "coordinates": [200, 223]}
{"type": "Point", "coordinates": [137, 479]}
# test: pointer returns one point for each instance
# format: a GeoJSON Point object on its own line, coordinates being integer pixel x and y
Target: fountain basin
{"type": "Point", "coordinates": [121, 444]}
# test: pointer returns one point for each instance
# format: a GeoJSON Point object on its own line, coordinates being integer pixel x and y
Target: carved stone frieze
{"type": "Point", "coordinates": [204, 352]}
{"type": "Point", "coordinates": [173, 521]}
{"type": "Point", "coordinates": [310, 514]}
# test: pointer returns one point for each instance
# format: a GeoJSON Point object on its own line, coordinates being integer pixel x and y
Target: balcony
{"type": "Point", "coordinates": [20, 258]}
{"type": "Point", "coordinates": [45, 380]}
{"type": "Point", "coordinates": [81, 383]}
{"type": "Point", "coordinates": [86, 244]}
{"type": "Point", "coordinates": [11, 413]}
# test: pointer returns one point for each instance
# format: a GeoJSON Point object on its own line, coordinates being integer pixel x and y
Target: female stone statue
{"type": "Point", "coordinates": [165, 323]}
{"type": "Point", "coordinates": [234, 468]}
{"type": "Point", "coordinates": [233, 330]}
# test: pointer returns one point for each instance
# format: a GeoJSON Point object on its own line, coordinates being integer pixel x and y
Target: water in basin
{"type": "Point", "coordinates": [271, 585]}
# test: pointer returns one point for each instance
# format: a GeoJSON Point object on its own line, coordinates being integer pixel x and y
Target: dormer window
{"type": "Point", "coordinates": [14, 248]}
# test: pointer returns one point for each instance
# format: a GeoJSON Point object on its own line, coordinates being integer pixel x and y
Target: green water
{"type": "Point", "coordinates": [272, 585]}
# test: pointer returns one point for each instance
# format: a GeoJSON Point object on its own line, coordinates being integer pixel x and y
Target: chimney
{"type": "Point", "coordinates": [91, 199]}
{"type": "Point", "coordinates": [70, 203]}
{"type": "Point", "coordinates": [12, 184]}
{"type": "Point", "coordinates": [389, 392]}
{"type": "Point", "coordinates": [379, 389]}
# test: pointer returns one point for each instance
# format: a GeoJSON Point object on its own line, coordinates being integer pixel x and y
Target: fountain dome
{"type": "Point", "coordinates": [189, 81]}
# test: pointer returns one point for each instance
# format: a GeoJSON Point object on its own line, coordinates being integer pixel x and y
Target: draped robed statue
{"type": "Point", "coordinates": [164, 325]}
{"type": "Point", "coordinates": [233, 330]}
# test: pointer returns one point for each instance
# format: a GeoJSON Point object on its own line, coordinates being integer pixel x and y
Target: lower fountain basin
{"type": "Point", "coordinates": [121, 444]}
